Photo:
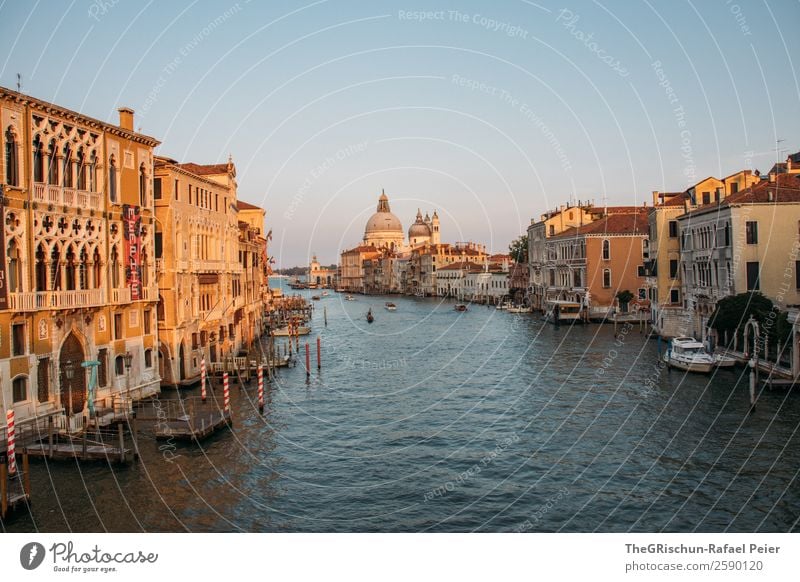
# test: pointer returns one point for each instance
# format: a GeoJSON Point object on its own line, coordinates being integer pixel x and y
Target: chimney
{"type": "Point", "coordinates": [126, 118]}
{"type": "Point", "coordinates": [772, 176]}
{"type": "Point", "coordinates": [770, 197]}
{"type": "Point", "coordinates": [789, 165]}
{"type": "Point", "coordinates": [655, 197]}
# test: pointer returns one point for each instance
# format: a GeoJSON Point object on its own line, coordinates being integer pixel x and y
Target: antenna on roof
{"type": "Point", "coordinates": [19, 83]}
{"type": "Point", "coordinates": [777, 150]}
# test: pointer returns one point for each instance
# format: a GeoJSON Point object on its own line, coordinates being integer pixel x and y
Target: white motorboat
{"type": "Point", "coordinates": [285, 332]}
{"type": "Point", "coordinates": [391, 306]}
{"type": "Point", "coordinates": [724, 360]}
{"type": "Point", "coordinates": [686, 353]}
{"type": "Point", "coordinates": [349, 298]}
{"type": "Point", "coordinates": [519, 309]}
{"type": "Point", "coordinates": [325, 293]}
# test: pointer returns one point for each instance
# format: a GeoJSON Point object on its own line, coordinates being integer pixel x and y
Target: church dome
{"type": "Point", "coordinates": [383, 228]}
{"type": "Point", "coordinates": [419, 229]}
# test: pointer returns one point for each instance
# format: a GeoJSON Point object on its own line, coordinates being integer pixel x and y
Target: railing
{"type": "Point", "coordinates": [199, 266]}
{"type": "Point", "coordinates": [36, 300]}
{"type": "Point", "coordinates": [121, 295]}
{"type": "Point", "coordinates": [58, 195]}
{"type": "Point", "coordinates": [149, 294]}
{"type": "Point", "coordinates": [182, 265]}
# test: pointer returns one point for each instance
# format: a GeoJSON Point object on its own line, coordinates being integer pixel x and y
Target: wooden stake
{"type": "Point", "coordinates": [121, 444]}
{"type": "Point", "coordinates": [319, 354]}
{"type": "Point", "coordinates": [3, 489]}
{"type": "Point", "coordinates": [26, 474]}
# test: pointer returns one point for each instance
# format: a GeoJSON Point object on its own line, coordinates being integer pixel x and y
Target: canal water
{"type": "Point", "coordinates": [433, 420]}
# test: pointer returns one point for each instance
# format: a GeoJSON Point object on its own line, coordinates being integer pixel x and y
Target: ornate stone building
{"type": "Point", "coordinates": [76, 260]}
{"type": "Point", "coordinates": [210, 250]}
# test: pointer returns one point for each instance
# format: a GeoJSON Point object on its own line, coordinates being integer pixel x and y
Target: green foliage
{"type": "Point", "coordinates": [733, 312]}
{"type": "Point", "coordinates": [624, 297]}
{"type": "Point", "coordinates": [518, 249]}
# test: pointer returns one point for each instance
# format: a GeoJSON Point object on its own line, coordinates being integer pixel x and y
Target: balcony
{"type": "Point", "coordinates": [205, 266]}
{"type": "Point", "coordinates": [121, 295]}
{"type": "Point", "coordinates": [60, 196]}
{"type": "Point", "coordinates": [42, 300]}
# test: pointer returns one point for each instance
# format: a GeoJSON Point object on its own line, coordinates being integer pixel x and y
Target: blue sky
{"type": "Point", "coordinates": [490, 113]}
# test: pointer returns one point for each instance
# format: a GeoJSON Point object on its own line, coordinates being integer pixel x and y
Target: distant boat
{"type": "Point", "coordinates": [391, 307]}
{"type": "Point", "coordinates": [686, 353]}
{"type": "Point", "coordinates": [370, 317]}
{"type": "Point", "coordinates": [519, 309]}
{"type": "Point", "coordinates": [460, 307]}
{"type": "Point", "coordinates": [284, 331]}
{"type": "Point", "coordinates": [505, 305]}
{"type": "Point", "coordinates": [349, 298]}
{"type": "Point", "coordinates": [315, 297]}
{"type": "Point", "coordinates": [325, 293]}
{"type": "Point", "coordinates": [419, 294]}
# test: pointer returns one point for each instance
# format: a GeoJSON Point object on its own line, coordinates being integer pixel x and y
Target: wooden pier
{"type": "Point", "coordinates": [187, 419]}
{"type": "Point", "coordinates": [15, 490]}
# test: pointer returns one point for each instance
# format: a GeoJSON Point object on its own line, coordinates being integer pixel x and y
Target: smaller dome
{"type": "Point", "coordinates": [419, 228]}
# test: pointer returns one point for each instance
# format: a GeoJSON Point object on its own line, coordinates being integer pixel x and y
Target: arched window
{"type": "Point", "coordinates": [14, 267]}
{"type": "Point", "coordinates": [148, 358]}
{"type": "Point", "coordinates": [606, 250]}
{"type": "Point", "coordinates": [38, 160]}
{"type": "Point", "coordinates": [142, 186]}
{"type": "Point", "coordinates": [41, 269]}
{"type": "Point", "coordinates": [90, 182]}
{"type": "Point", "coordinates": [67, 169]}
{"type": "Point", "coordinates": [112, 179]}
{"type": "Point", "coordinates": [52, 163]}
{"type": "Point", "coordinates": [83, 270]}
{"type": "Point", "coordinates": [70, 268]}
{"type": "Point", "coordinates": [119, 365]}
{"type": "Point", "coordinates": [55, 268]}
{"type": "Point", "coordinates": [80, 183]}
{"type": "Point", "coordinates": [96, 268]}
{"type": "Point", "coordinates": [20, 389]}
{"type": "Point", "coordinates": [12, 167]}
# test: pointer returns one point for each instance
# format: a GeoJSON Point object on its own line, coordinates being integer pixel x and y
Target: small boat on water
{"type": "Point", "coordinates": [325, 293]}
{"type": "Point", "coordinates": [519, 309]}
{"type": "Point", "coordinates": [370, 317]}
{"type": "Point", "coordinates": [315, 297]}
{"type": "Point", "coordinates": [724, 360]}
{"type": "Point", "coordinates": [349, 298]}
{"type": "Point", "coordinates": [460, 307]}
{"type": "Point", "coordinates": [284, 331]}
{"type": "Point", "coordinates": [419, 294]}
{"type": "Point", "coordinates": [504, 305]}
{"type": "Point", "coordinates": [391, 306]}
{"type": "Point", "coordinates": [686, 353]}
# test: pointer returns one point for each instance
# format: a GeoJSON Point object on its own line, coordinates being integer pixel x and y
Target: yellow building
{"type": "Point", "coordinates": [209, 248]}
{"type": "Point", "coordinates": [78, 246]}
{"type": "Point", "coordinates": [668, 315]}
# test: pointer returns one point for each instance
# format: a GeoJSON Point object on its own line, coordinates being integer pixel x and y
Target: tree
{"type": "Point", "coordinates": [624, 297]}
{"type": "Point", "coordinates": [519, 249]}
{"type": "Point", "coordinates": [731, 314]}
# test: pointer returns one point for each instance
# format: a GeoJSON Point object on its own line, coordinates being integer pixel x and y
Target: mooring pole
{"type": "Point", "coordinates": [319, 353]}
{"type": "Point", "coordinates": [308, 362]}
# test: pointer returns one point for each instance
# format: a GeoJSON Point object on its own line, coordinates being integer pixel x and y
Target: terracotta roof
{"type": "Point", "coordinates": [361, 249]}
{"type": "Point", "coordinates": [784, 190]}
{"type": "Point", "coordinates": [204, 169]}
{"type": "Point", "coordinates": [630, 224]}
{"type": "Point", "coordinates": [468, 265]}
{"type": "Point", "coordinates": [242, 205]}
{"type": "Point", "coordinates": [678, 198]}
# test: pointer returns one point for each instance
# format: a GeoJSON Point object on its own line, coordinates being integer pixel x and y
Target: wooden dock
{"type": "Point", "coordinates": [15, 490]}
{"type": "Point", "coordinates": [197, 427]}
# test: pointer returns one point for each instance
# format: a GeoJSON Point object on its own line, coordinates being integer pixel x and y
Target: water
{"type": "Point", "coordinates": [431, 420]}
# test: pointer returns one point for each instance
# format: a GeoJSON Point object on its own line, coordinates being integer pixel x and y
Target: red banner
{"type": "Point", "coordinates": [132, 232]}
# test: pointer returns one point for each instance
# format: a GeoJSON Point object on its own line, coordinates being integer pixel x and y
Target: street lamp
{"type": "Point", "coordinates": [69, 373]}
{"type": "Point", "coordinates": [128, 358]}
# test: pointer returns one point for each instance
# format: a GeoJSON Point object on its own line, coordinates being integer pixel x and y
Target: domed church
{"type": "Point", "coordinates": [385, 231]}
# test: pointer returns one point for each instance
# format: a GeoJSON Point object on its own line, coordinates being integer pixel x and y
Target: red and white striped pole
{"type": "Point", "coordinates": [261, 388]}
{"type": "Point", "coordinates": [203, 379]}
{"type": "Point", "coordinates": [12, 459]}
{"type": "Point", "coordinates": [226, 394]}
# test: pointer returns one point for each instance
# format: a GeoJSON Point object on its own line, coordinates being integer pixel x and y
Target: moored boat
{"type": "Point", "coordinates": [686, 353]}
{"type": "Point", "coordinates": [724, 360]}
{"type": "Point", "coordinates": [286, 331]}
{"type": "Point", "coordinates": [519, 309]}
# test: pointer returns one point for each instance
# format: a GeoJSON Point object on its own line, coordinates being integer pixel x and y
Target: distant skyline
{"type": "Point", "coordinates": [489, 114]}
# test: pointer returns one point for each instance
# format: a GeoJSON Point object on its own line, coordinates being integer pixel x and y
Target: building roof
{"type": "Point", "coordinates": [634, 224]}
{"type": "Point", "coordinates": [784, 190]}
{"type": "Point", "coordinates": [242, 205]}
{"type": "Point", "coordinates": [204, 169]}
{"type": "Point", "coordinates": [362, 249]}
{"type": "Point", "coordinates": [678, 199]}
{"type": "Point", "coordinates": [462, 265]}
